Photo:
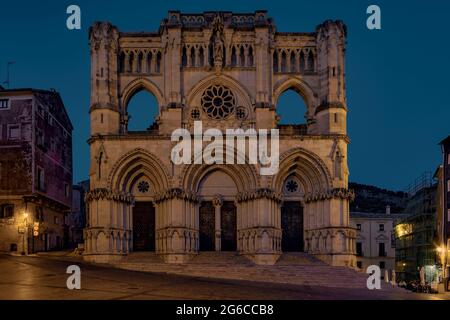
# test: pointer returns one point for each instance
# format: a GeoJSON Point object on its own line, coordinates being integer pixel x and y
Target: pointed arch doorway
{"type": "Point", "coordinates": [218, 213]}
{"type": "Point", "coordinates": [292, 216]}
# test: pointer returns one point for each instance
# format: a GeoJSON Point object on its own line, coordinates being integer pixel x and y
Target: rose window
{"type": "Point", "coordinates": [218, 102]}
{"type": "Point", "coordinates": [195, 114]}
{"type": "Point", "coordinates": [292, 186]}
{"type": "Point", "coordinates": [143, 186]}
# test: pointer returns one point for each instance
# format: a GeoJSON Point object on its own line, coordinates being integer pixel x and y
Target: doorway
{"type": "Point", "coordinates": [144, 226]}
{"type": "Point", "coordinates": [292, 225]}
{"type": "Point", "coordinates": [207, 226]}
{"type": "Point", "coordinates": [228, 226]}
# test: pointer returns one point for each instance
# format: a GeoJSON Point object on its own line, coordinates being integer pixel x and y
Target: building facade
{"type": "Point", "coordinates": [375, 241]}
{"type": "Point", "coordinates": [415, 234]}
{"type": "Point", "coordinates": [76, 219]}
{"type": "Point", "coordinates": [443, 209]}
{"type": "Point", "coordinates": [35, 170]}
{"type": "Point", "coordinates": [226, 70]}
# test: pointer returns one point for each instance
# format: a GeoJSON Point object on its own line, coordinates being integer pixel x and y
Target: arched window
{"type": "Point", "coordinates": [192, 58]}
{"type": "Point", "coordinates": [233, 57]}
{"type": "Point", "coordinates": [130, 62]}
{"type": "Point", "coordinates": [311, 62]}
{"type": "Point", "coordinates": [302, 62]}
{"type": "Point", "coordinates": [275, 61]}
{"type": "Point", "coordinates": [241, 57]}
{"type": "Point", "coordinates": [291, 108]}
{"type": "Point", "coordinates": [250, 57]}
{"type": "Point", "coordinates": [293, 62]}
{"type": "Point", "coordinates": [122, 62]}
{"type": "Point", "coordinates": [142, 110]}
{"type": "Point", "coordinates": [201, 57]}
{"type": "Point", "coordinates": [283, 62]}
{"type": "Point", "coordinates": [99, 163]}
{"type": "Point", "coordinates": [184, 58]}
{"type": "Point", "coordinates": [158, 62]}
{"type": "Point", "coordinates": [140, 62]}
{"type": "Point", "coordinates": [149, 62]}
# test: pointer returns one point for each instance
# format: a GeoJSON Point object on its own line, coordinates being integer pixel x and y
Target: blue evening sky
{"type": "Point", "coordinates": [397, 78]}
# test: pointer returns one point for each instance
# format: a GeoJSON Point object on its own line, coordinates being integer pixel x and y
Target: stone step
{"type": "Point", "coordinates": [291, 268]}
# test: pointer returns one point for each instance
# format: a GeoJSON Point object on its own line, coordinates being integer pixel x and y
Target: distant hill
{"type": "Point", "coordinates": [374, 200]}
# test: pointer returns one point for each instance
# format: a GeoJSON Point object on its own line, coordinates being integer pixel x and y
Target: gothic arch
{"type": "Point", "coordinates": [307, 167]}
{"type": "Point", "coordinates": [134, 87]}
{"type": "Point", "coordinates": [301, 87]}
{"type": "Point", "coordinates": [244, 176]}
{"type": "Point", "coordinates": [135, 164]}
{"type": "Point", "coordinates": [243, 94]}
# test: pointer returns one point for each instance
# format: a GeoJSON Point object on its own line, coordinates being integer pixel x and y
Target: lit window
{"type": "Point", "coordinates": [14, 132]}
{"type": "Point", "coordinates": [4, 103]}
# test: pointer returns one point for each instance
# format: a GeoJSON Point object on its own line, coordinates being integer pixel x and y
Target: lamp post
{"type": "Point", "coordinates": [442, 250]}
{"type": "Point", "coordinates": [25, 231]}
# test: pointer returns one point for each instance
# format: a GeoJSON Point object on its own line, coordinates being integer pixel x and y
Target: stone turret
{"type": "Point", "coordinates": [104, 109]}
{"type": "Point", "coordinates": [331, 114]}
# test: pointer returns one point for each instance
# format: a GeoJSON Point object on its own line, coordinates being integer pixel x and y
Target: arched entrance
{"type": "Point", "coordinates": [217, 213]}
{"type": "Point", "coordinates": [140, 174]}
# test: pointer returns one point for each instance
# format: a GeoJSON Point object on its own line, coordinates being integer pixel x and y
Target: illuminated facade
{"type": "Point", "coordinates": [228, 71]}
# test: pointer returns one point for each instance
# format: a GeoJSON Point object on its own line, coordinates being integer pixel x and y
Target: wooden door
{"type": "Point", "coordinates": [143, 226]}
{"type": "Point", "coordinates": [292, 225]}
{"type": "Point", "coordinates": [228, 226]}
{"type": "Point", "coordinates": [207, 226]}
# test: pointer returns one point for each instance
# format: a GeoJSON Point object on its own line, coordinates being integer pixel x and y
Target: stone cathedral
{"type": "Point", "coordinates": [228, 71]}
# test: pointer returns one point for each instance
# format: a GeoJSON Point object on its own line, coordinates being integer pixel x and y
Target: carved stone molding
{"type": "Point", "coordinates": [177, 193]}
{"type": "Point", "coordinates": [103, 33]}
{"type": "Point", "coordinates": [337, 193]}
{"type": "Point", "coordinates": [218, 200]}
{"type": "Point", "coordinates": [108, 194]}
{"type": "Point", "coordinates": [259, 194]}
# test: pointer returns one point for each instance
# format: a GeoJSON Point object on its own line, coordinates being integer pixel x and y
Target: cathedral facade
{"type": "Point", "coordinates": [228, 71]}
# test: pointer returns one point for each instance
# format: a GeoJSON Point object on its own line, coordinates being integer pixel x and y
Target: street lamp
{"type": "Point", "coordinates": [25, 231]}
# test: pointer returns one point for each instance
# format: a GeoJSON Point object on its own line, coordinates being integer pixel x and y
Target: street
{"type": "Point", "coordinates": [36, 278]}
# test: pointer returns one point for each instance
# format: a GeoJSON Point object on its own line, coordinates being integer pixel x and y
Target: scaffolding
{"type": "Point", "coordinates": [425, 180]}
{"type": "Point", "coordinates": [415, 234]}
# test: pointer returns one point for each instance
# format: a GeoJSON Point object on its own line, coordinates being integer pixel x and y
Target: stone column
{"type": "Point", "coordinates": [218, 202]}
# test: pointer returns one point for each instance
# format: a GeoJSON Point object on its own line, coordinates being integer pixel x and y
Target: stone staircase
{"type": "Point", "coordinates": [291, 268]}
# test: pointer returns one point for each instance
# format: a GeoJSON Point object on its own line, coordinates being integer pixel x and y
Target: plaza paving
{"type": "Point", "coordinates": [44, 277]}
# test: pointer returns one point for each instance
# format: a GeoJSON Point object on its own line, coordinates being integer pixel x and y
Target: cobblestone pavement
{"type": "Point", "coordinates": [44, 277]}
